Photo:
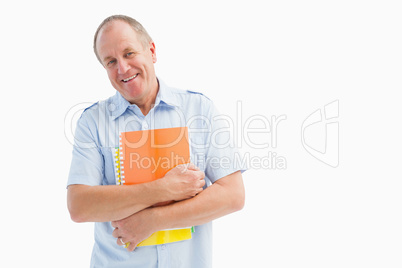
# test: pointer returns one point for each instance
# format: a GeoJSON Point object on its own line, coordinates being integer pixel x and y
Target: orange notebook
{"type": "Point", "coordinates": [147, 155]}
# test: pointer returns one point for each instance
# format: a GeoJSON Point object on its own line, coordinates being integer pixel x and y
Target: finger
{"type": "Point", "coordinates": [116, 233]}
{"type": "Point", "coordinates": [116, 224]}
{"type": "Point", "coordinates": [188, 166]}
{"type": "Point", "coordinates": [202, 183]}
{"type": "Point", "coordinates": [120, 241]}
{"type": "Point", "coordinates": [192, 166]}
{"type": "Point", "coordinates": [200, 174]}
{"type": "Point", "coordinates": [183, 167]}
{"type": "Point", "coordinates": [131, 246]}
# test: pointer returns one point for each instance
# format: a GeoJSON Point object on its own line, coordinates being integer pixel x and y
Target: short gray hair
{"type": "Point", "coordinates": [143, 35]}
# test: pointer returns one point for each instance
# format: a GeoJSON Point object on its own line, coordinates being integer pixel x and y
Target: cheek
{"type": "Point", "coordinates": [110, 74]}
{"type": "Point", "coordinates": [112, 80]}
{"type": "Point", "coordinates": [112, 77]}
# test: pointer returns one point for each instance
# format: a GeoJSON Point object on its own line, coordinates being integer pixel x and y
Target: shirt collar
{"type": "Point", "coordinates": [164, 97]}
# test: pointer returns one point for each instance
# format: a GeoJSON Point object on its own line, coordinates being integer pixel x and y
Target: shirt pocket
{"type": "Point", "coordinates": [109, 158]}
{"type": "Point", "coordinates": [198, 150]}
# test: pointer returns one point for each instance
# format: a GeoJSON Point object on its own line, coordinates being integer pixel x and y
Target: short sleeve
{"type": "Point", "coordinates": [222, 155]}
{"type": "Point", "coordinates": [87, 161]}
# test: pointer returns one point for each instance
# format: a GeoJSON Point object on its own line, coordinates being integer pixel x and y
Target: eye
{"type": "Point", "coordinates": [110, 62]}
{"type": "Point", "coordinates": [129, 54]}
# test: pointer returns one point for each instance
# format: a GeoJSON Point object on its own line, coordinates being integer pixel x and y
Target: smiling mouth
{"type": "Point", "coordinates": [129, 78]}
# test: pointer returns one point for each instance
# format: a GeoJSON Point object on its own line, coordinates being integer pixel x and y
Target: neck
{"type": "Point", "coordinates": [149, 100]}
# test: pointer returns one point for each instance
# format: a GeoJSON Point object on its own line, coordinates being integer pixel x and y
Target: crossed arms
{"type": "Point", "coordinates": [133, 214]}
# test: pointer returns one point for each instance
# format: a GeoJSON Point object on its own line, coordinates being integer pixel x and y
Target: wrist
{"type": "Point", "coordinates": [158, 191]}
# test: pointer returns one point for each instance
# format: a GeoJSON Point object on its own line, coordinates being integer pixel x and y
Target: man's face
{"type": "Point", "coordinates": [129, 65]}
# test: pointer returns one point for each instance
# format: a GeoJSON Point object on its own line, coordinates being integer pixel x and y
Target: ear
{"type": "Point", "coordinates": [153, 51]}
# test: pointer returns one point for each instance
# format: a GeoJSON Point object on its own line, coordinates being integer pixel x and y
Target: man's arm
{"type": "Point", "coordinates": [223, 197]}
{"type": "Point", "coordinates": [113, 202]}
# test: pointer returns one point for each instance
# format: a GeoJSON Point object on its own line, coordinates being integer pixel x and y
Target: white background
{"type": "Point", "coordinates": [276, 57]}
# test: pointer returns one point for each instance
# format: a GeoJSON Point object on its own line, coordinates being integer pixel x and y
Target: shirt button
{"type": "Point", "coordinates": [163, 247]}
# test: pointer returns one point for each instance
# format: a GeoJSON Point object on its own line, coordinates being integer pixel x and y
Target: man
{"type": "Point", "coordinates": [126, 214]}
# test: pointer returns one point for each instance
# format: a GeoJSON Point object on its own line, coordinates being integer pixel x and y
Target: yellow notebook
{"type": "Point", "coordinates": [147, 155]}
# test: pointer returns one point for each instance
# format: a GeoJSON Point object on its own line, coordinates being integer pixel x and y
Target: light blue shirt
{"type": "Point", "coordinates": [211, 147]}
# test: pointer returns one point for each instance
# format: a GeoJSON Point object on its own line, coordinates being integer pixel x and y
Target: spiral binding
{"type": "Point", "coordinates": [159, 237]}
{"type": "Point", "coordinates": [117, 166]}
{"type": "Point", "coordinates": [119, 157]}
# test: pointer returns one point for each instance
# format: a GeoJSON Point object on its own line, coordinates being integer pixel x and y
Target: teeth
{"type": "Point", "coordinates": [128, 79]}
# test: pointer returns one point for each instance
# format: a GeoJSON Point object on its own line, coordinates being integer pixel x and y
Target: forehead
{"type": "Point", "coordinates": [117, 36]}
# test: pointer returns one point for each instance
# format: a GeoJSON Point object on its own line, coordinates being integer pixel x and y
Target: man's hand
{"type": "Point", "coordinates": [135, 228]}
{"type": "Point", "coordinates": [183, 182]}
{"type": "Point", "coordinates": [103, 203]}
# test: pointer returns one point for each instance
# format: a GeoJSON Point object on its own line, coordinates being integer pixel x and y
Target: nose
{"type": "Point", "coordinates": [122, 67]}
